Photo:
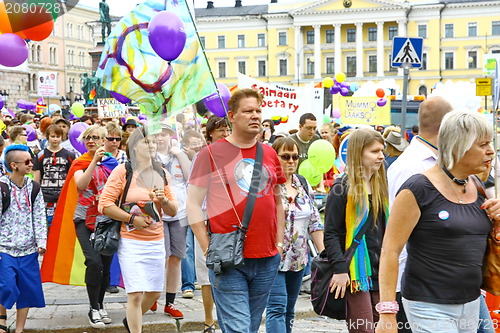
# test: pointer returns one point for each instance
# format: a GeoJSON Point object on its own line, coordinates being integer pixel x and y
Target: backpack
{"type": "Point", "coordinates": [6, 195]}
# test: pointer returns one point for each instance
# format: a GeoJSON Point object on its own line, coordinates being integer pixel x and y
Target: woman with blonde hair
{"type": "Point", "coordinates": [356, 199]}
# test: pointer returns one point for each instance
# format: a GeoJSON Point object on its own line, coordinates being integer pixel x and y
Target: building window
{"type": "Point", "coordinates": [391, 69]}
{"type": "Point", "coordinates": [330, 65]}
{"type": "Point", "coordinates": [472, 29]}
{"type": "Point", "coordinates": [372, 34]}
{"type": "Point", "coordinates": [310, 67]}
{"type": "Point", "coordinates": [424, 61]}
{"type": "Point", "coordinates": [82, 59]}
{"type": "Point", "coordinates": [448, 60]}
{"type": "Point", "coordinates": [241, 41]}
{"type": "Point", "coordinates": [372, 64]}
{"type": "Point", "coordinates": [242, 67]}
{"type": "Point", "coordinates": [310, 37]}
{"type": "Point", "coordinates": [448, 30]}
{"type": "Point", "coordinates": [221, 42]}
{"type": "Point", "coordinates": [351, 35]}
{"type": "Point", "coordinates": [69, 58]}
{"type": "Point", "coordinates": [33, 82]}
{"type": "Point", "coordinates": [39, 53]}
{"type": "Point", "coordinates": [495, 28]}
{"type": "Point", "coordinates": [222, 70]}
{"type": "Point", "coordinates": [261, 40]}
{"type": "Point", "coordinates": [472, 59]}
{"type": "Point", "coordinates": [262, 67]}
{"type": "Point", "coordinates": [52, 55]}
{"type": "Point", "coordinates": [283, 67]}
{"type": "Point", "coordinates": [351, 66]}
{"type": "Point", "coordinates": [202, 41]}
{"type": "Point", "coordinates": [282, 38]}
{"type": "Point", "coordinates": [422, 31]}
{"type": "Point", "coordinates": [393, 32]}
{"type": "Point", "coordinates": [80, 32]}
{"type": "Point", "coordinates": [330, 36]}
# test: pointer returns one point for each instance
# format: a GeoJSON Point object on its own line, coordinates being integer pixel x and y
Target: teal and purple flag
{"type": "Point", "coordinates": [130, 66]}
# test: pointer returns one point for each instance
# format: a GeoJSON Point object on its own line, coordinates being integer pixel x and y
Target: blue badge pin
{"type": "Point", "coordinates": [443, 215]}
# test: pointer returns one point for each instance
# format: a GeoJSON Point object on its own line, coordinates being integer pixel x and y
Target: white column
{"type": "Point", "coordinates": [402, 28]}
{"type": "Point", "coordinates": [359, 49]}
{"type": "Point", "coordinates": [380, 49]}
{"type": "Point", "coordinates": [338, 49]}
{"type": "Point", "coordinates": [317, 51]}
{"type": "Point", "coordinates": [298, 45]}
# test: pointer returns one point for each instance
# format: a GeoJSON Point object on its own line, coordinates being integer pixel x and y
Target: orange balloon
{"type": "Point", "coordinates": [10, 19]}
{"type": "Point", "coordinates": [380, 93]}
{"type": "Point", "coordinates": [37, 24]}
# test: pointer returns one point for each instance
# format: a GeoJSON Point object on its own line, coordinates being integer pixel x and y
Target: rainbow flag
{"type": "Point", "coordinates": [63, 263]}
{"type": "Point", "coordinates": [130, 66]}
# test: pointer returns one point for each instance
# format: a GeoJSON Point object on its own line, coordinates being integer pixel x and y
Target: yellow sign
{"type": "Point", "coordinates": [364, 111]}
{"type": "Point", "coordinates": [483, 87]}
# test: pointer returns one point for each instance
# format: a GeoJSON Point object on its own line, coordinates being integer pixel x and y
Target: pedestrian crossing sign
{"type": "Point", "coordinates": [406, 50]}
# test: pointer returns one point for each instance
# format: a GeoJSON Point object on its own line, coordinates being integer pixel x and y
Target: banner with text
{"type": "Point", "coordinates": [47, 84]}
{"type": "Point", "coordinates": [110, 108]}
{"type": "Point", "coordinates": [364, 111]}
{"type": "Point", "coordinates": [285, 104]}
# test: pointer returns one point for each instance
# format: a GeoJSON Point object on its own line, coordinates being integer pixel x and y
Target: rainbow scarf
{"type": "Point", "coordinates": [63, 263]}
{"type": "Point", "coordinates": [360, 268]}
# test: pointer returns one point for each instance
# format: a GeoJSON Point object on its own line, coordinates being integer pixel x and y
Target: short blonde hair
{"type": "Point", "coordinates": [458, 132]}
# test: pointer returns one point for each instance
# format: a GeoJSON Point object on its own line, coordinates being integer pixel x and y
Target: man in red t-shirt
{"type": "Point", "coordinates": [243, 291]}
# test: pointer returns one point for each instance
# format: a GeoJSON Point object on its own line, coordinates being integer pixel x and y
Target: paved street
{"type": "Point", "coordinates": [67, 308]}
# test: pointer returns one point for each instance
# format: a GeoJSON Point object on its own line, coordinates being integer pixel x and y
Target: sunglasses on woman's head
{"type": "Point", "coordinates": [27, 162]}
{"type": "Point", "coordinates": [287, 157]}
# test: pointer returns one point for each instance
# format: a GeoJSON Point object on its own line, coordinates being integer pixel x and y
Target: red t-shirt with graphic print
{"type": "Point", "coordinates": [222, 160]}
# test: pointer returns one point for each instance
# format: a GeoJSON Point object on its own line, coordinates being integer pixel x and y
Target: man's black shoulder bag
{"type": "Point", "coordinates": [225, 251]}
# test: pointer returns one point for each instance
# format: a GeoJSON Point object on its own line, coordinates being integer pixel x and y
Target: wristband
{"type": "Point", "coordinates": [387, 307]}
{"type": "Point", "coordinates": [280, 245]}
{"type": "Point", "coordinates": [130, 222]}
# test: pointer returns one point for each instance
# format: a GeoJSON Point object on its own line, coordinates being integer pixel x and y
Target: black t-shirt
{"type": "Point", "coordinates": [446, 248]}
{"type": "Point", "coordinates": [53, 168]}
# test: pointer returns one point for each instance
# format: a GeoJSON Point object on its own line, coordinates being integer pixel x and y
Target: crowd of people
{"type": "Point", "coordinates": [415, 192]}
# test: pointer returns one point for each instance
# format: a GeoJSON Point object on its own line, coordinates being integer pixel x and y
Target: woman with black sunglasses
{"type": "Point", "coordinates": [113, 142]}
{"type": "Point", "coordinates": [301, 220]}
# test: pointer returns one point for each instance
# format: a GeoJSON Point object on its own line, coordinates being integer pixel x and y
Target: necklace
{"type": "Point", "coordinates": [461, 182]}
{"type": "Point", "coordinates": [426, 141]}
{"type": "Point", "coordinates": [460, 201]}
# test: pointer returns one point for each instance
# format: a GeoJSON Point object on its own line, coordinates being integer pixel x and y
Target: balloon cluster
{"type": "Point", "coordinates": [279, 120]}
{"type": "Point", "coordinates": [381, 95]}
{"type": "Point", "coordinates": [321, 157]}
{"type": "Point", "coordinates": [31, 20]}
{"type": "Point", "coordinates": [213, 102]}
{"type": "Point", "coordinates": [338, 86]}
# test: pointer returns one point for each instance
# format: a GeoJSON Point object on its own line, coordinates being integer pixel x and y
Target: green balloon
{"type": "Point", "coordinates": [326, 119]}
{"type": "Point", "coordinates": [322, 155]}
{"type": "Point", "coordinates": [142, 108]}
{"type": "Point", "coordinates": [78, 109]}
{"type": "Point", "coordinates": [312, 174]}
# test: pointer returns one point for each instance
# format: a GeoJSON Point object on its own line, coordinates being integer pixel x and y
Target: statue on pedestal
{"type": "Point", "coordinates": [105, 20]}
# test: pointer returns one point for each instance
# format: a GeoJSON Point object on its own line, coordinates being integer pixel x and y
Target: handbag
{"type": "Point", "coordinates": [106, 236]}
{"type": "Point", "coordinates": [225, 251]}
{"type": "Point", "coordinates": [491, 261]}
{"type": "Point", "coordinates": [324, 303]}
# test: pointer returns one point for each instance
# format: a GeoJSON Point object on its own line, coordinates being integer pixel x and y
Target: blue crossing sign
{"type": "Point", "coordinates": [406, 50]}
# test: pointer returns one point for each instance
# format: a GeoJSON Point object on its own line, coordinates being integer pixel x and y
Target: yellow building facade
{"type": "Point", "coordinates": [300, 42]}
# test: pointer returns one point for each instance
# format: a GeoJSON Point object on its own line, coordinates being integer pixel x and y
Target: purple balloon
{"type": "Point", "coordinates": [344, 91]}
{"type": "Point", "coordinates": [167, 35]}
{"type": "Point", "coordinates": [142, 116]}
{"type": "Point", "coordinates": [30, 106]}
{"type": "Point", "coordinates": [381, 102]}
{"type": "Point", "coordinates": [75, 131]}
{"type": "Point", "coordinates": [21, 104]}
{"type": "Point", "coordinates": [2, 102]}
{"type": "Point", "coordinates": [31, 132]}
{"type": "Point", "coordinates": [123, 120]}
{"type": "Point", "coordinates": [73, 117]}
{"type": "Point", "coordinates": [120, 98]}
{"type": "Point", "coordinates": [213, 103]}
{"type": "Point", "coordinates": [334, 90]}
{"type": "Point", "coordinates": [14, 50]}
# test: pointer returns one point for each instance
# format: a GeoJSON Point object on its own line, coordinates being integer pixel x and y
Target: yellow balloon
{"type": "Point", "coordinates": [78, 109]}
{"type": "Point", "coordinates": [340, 77]}
{"type": "Point", "coordinates": [327, 82]}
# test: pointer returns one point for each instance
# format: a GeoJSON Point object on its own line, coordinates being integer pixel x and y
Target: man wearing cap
{"type": "Point", "coordinates": [129, 126]}
{"type": "Point", "coordinates": [176, 162]}
{"type": "Point", "coordinates": [65, 125]}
